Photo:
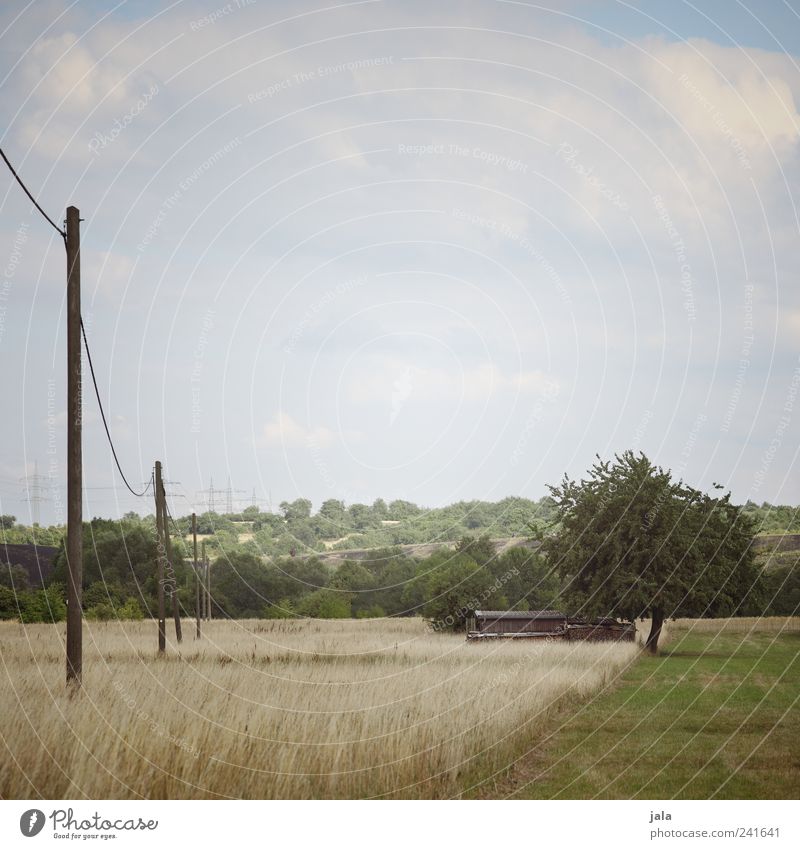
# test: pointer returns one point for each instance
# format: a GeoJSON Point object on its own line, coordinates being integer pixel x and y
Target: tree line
{"type": "Point", "coordinates": [626, 541]}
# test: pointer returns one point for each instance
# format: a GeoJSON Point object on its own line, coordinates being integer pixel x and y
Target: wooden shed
{"type": "Point", "coordinates": [601, 630]}
{"type": "Point", "coordinates": [513, 622]}
{"type": "Point", "coordinates": [546, 624]}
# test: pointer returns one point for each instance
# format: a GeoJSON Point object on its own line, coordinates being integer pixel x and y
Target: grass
{"type": "Point", "coordinates": [280, 709]}
{"type": "Point", "coordinates": [715, 716]}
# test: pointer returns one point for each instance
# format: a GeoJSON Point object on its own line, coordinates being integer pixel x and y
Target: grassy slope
{"type": "Point", "coordinates": [716, 716]}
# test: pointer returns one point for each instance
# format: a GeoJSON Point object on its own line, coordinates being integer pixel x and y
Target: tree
{"type": "Point", "coordinates": [326, 604]}
{"type": "Point", "coordinates": [528, 581]}
{"type": "Point", "coordinates": [361, 517]}
{"type": "Point", "coordinates": [379, 510]}
{"type": "Point", "coordinates": [7, 522]}
{"type": "Point", "coordinates": [477, 516]}
{"type": "Point", "coordinates": [274, 525]}
{"type": "Point", "coordinates": [400, 509]}
{"type": "Point", "coordinates": [634, 543]}
{"type": "Point", "coordinates": [14, 576]}
{"type": "Point", "coordinates": [242, 584]}
{"type": "Point", "coordinates": [120, 558]}
{"type": "Point", "coordinates": [481, 550]}
{"type": "Point", "coordinates": [300, 508]}
{"type": "Point", "coordinates": [456, 585]}
{"type": "Point", "coordinates": [333, 510]}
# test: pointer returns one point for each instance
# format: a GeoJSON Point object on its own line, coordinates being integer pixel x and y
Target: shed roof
{"type": "Point", "coordinates": [520, 614]}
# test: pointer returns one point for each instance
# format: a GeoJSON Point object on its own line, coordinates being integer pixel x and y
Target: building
{"type": "Point", "coordinates": [548, 624]}
{"type": "Point", "coordinates": [512, 622]}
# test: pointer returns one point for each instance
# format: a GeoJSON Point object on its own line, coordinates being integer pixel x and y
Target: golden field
{"type": "Point", "coordinates": [280, 709]}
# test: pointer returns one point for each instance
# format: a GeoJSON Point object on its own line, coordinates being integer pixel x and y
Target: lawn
{"type": "Point", "coordinates": [716, 715]}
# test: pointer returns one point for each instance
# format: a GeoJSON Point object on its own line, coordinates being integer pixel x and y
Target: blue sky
{"type": "Point", "coordinates": [426, 251]}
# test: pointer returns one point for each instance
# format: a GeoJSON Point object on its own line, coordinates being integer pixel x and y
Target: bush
{"type": "Point", "coordinates": [130, 610]}
{"type": "Point", "coordinates": [41, 606]}
{"type": "Point", "coordinates": [102, 612]}
{"type": "Point", "coordinates": [284, 609]}
{"type": "Point", "coordinates": [373, 612]}
{"type": "Point", "coordinates": [326, 604]}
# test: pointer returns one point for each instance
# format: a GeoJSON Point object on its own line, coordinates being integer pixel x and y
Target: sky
{"type": "Point", "coordinates": [429, 251]}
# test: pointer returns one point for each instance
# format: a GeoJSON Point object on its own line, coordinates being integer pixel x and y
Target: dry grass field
{"type": "Point", "coordinates": [279, 709]}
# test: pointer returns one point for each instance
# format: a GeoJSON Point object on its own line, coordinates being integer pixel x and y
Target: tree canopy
{"type": "Point", "coordinates": [633, 542]}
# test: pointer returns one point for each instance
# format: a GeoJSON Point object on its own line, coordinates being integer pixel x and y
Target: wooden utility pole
{"type": "Point", "coordinates": [161, 556]}
{"type": "Point", "coordinates": [171, 580]}
{"type": "Point", "coordinates": [74, 453]}
{"type": "Point", "coordinates": [196, 577]}
{"type": "Point", "coordinates": [203, 595]}
{"type": "Point", "coordinates": [209, 600]}
{"type": "Point", "coordinates": [206, 585]}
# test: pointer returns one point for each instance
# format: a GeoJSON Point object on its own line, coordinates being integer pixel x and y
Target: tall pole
{"type": "Point", "coordinates": [210, 601]}
{"type": "Point", "coordinates": [74, 453]}
{"type": "Point", "coordinates": [208, 589]}
{"type": "Point", "coordinates": [196, 577]}
{"type": "Point", "coordinates": [171, 580]}
{"type": "Point", "coordinates": [161, 556]}
{"type": "Point", "coordinates": [203, 595]}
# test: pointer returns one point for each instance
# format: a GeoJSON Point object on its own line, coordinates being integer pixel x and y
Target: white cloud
{"type": "Point", "coordinates": [397, 383]}
{"type": "Point", "coordinates": [283, 430]}
{"type": "Point", "coordinates": [106, 272]}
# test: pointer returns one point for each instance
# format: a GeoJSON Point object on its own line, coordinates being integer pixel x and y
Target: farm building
{"type": "Point", "coordinates": [600, 630]}
{"type": "Point", "coordinates": [518, 622]}
{"type": "Point", "coordinates": [552, 624]}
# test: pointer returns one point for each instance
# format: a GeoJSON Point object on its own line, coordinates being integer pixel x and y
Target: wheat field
{"type": "Point", "coordinates": [279, 709]}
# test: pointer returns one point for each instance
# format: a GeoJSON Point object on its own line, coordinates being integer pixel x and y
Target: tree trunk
{"type": "Point", "coordinates": [651, 645]}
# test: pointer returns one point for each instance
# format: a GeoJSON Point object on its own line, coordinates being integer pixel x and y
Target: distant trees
{"type": "Point", "coordinates": [629, 541]}
{"type": "Point", "coordinates": [300, 508]}
{"type": "Point", "coordinates": [399, 510]}
{"type": "Point", "coordinates": [456, 585]}
{"type": "Point", "coordinates": [13, 576]}
{"type": "Point", "coordinates": [326, 604]}
{"type": "Point", "coordinates": [28, 606]}
{"type": "Point", "coordinates": [634, 543]}
{"type": "Point", "coordinates": [332, 520]}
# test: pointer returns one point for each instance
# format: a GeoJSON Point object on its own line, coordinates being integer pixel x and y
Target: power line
{"type": "Point", "coordinates": [83, 332]}
{"type": "Point", "coordinates": [105, 423]}
{"type": "Point", "coordinates": [32, 198]}
{"type": "Point", "coordinates": [85, 340]}
{"type": "Point", "coordinates": [174, 525]}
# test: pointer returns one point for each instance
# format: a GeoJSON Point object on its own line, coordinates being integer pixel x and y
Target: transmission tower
{"type": "Point", "coordinates": [210, 505]}
{"type": "Point", "coordinates": [229, 493]}
{"type": "Point", "coordinates": [34, 486]}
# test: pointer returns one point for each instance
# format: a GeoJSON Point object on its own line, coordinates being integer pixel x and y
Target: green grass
{"type": "Point", "coordinates": [716, 715]}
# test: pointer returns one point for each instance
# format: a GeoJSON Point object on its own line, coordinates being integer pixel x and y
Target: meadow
{"type": "Point", "coordinates": [714, 716]}
{"type": "Point", "coordinates": [267, 709]}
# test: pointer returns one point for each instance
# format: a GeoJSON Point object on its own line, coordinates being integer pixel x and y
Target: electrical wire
{"type": "Point", "coordinates": [105, 423]}
{"type": "Point", "coordinates": [85, 340]}
{"type": "Point", "coordinates": [177, 529]}
{"type": "Point", "coordinates": [32, 198]}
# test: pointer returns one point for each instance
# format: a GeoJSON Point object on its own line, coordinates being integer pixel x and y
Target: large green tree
{"type": "Point", "coordinates": [635, 543]}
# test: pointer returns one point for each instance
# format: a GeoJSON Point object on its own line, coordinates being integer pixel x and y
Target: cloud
{"type": "Point", "coordinates": [283, 430]}
{"type": "Point", "coordinates": [106, 272]}
{"type": "Point", "coordinates": [398, 383]}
